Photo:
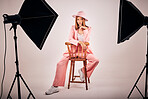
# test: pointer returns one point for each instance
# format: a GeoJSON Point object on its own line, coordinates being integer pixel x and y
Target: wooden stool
{"type": "Point", "coordinates": [77, 54]}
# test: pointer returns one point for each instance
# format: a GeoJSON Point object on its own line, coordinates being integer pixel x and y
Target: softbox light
{"type": "Point", "coordinates": [36, 18]}
{"type": "Point", "coordinates": [130, 21]}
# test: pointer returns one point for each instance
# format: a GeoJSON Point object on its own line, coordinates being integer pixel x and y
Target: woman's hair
{"type": "Point", "coordinates": [77, 25]}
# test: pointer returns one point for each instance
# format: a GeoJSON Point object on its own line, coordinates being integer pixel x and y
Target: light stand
{"type": "Point", "coordinates": [18, 75]}
{"type": "Point", "coordinates": [36, 18]}
{"type": "Point", "coordinates": [130, 21]}
{"type": "Point", "coordinates": [145, 67]}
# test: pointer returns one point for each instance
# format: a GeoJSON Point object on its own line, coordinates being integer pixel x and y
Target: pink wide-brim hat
{"type": "Point", "coordinates": [80, 14]}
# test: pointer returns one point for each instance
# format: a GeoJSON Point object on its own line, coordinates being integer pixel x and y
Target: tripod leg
{"type": "Point", "coordinates": [146, 81]}
{"type": "Point", "coordinates": [136, 82]}
{"type": "Point", "coordinates": [139, 91]}
{"type": "Point", "coordinates": [28, 96]}
{"type": "Point", "coordinates": [11, 88]}
{"type": "Point", "coordinates": [27, 87]}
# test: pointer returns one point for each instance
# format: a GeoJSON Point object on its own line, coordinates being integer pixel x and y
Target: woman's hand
{"type": "Point", "coordinates": [83, 27]}
{"type": "Point", "coordinates": [83, 45]}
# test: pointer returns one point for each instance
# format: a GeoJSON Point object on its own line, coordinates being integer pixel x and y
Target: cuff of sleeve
{"type": "Point", "coordinates": [85, 30]}
{"type": "Point", "coordinates": [77, 43]}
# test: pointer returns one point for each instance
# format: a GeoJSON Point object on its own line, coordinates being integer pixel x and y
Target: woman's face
{"type": "Point", "coordinates": [79, 20]}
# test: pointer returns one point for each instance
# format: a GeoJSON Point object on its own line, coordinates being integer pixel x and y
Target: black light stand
{"type": "Point", "coordinates": [36, 18]}
{"type": "Point", "coordinates": [145, 67]}
{"type": "Point", "coordinates": [130, 21]}
{"type": "Point", "coordinates": [17, 75]}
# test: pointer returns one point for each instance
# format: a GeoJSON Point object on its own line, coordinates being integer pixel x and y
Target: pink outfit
{"type": "Point", "coordinates": [62, 64]}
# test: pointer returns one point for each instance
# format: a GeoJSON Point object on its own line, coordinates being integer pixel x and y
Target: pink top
{"type": "Point", "coordinates": [73, 38]}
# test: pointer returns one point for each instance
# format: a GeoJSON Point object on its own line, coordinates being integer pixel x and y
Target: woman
{"type": "Point", "coordinates": [78, 35]}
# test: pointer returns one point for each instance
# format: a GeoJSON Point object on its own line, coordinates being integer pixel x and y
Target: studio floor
{"type": "Point", "coordinates": [106, 86]}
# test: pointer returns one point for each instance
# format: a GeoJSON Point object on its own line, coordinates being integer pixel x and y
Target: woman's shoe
{"type": "Point", "coordinates": [81, 75]}
{"type": "Point", "coordinates": [52, 90]}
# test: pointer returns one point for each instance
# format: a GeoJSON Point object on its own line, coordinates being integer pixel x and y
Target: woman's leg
{"type": "Point", "coordinates": [59, 79]}
{"type": "Point", "coordinates": [92, 63]}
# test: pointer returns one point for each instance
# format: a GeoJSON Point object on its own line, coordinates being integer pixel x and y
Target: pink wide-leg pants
{"type": "Point", "coordinates": [60, 76]}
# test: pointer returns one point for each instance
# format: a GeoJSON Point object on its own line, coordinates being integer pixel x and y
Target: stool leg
{"type": "Point", "coordinates": [73, 70]}
{"type": "Point", "coordinates": [85, 74]}
{"type": "Point", "coordinates": [70, 74]}
{"type": "Point", "coordinates": [88, 80]}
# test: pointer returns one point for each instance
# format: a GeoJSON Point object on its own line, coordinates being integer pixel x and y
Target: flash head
{"type": "Point", "coordinates": [16, 19]}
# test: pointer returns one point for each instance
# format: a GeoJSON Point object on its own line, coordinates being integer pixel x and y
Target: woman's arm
{"type": "Point", "coordinates": [87, 31]}
{"type": "Point", "coordinates": [71, 37]}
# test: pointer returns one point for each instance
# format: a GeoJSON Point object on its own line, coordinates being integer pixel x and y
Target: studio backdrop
{"type": "Point", "coordinates": [119, 66]}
